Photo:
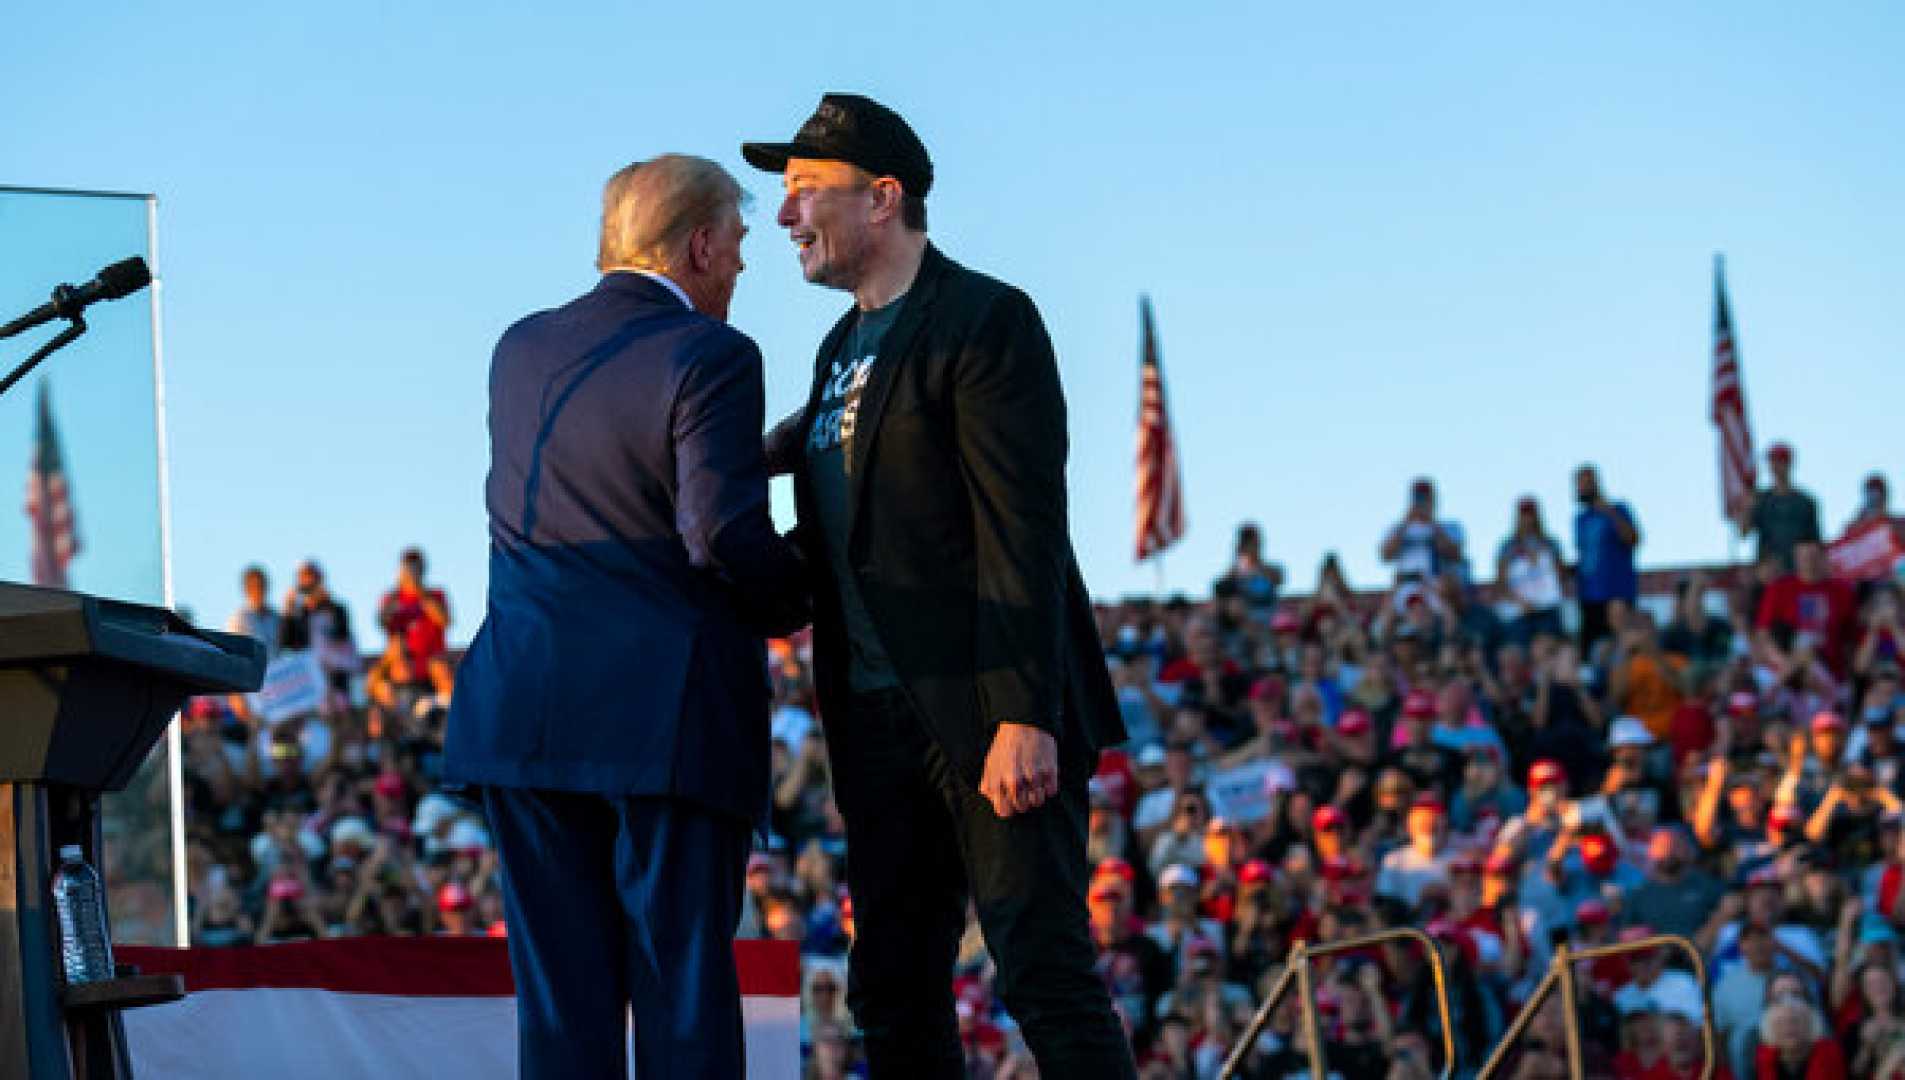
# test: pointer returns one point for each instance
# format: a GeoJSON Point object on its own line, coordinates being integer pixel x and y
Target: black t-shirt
{"type": "Point", "coordinates": [850, 369]}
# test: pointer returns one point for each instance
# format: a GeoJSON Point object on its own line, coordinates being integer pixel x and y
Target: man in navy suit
{"type": "Point", "coordinates": [613, 708]}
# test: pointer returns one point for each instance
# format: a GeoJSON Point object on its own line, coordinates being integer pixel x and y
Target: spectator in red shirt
{"type": "Point", "coordinates": [1809, 606]}
{"type": "Point", "coordinates": [419, 617]}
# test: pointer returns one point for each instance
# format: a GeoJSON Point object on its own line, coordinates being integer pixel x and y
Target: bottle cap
{"type": "Point", "coordinates": [72, 851]}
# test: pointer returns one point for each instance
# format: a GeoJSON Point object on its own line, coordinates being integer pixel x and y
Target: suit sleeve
{"type": "Point", "coordinates": [781, 448]}
{"type": "Point", "coordinates": [721, 507]}
{"type": "Point", "coordinates": [1009, 415]}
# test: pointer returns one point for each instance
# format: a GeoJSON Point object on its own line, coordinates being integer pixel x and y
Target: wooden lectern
{"type": "Point", "coordinates": [87, 686]}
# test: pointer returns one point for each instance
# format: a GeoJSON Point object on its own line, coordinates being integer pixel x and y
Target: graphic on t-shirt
{"type": "Point", "coordinates": [839, 404]}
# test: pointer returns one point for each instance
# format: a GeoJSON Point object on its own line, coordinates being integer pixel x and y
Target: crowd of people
{"type": "Point", "coordinates": [1511, 762]}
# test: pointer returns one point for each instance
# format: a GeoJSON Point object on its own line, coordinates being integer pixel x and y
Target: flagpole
{"type": "Point", "coordinates": [1157, 566]}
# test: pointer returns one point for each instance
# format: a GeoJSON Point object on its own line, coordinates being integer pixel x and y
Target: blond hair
{"type": "Point", "coordinates": [650, 208]}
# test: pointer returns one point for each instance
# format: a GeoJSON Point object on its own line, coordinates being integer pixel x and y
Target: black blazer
{"type": "Point", "coordinates": [957, 529]}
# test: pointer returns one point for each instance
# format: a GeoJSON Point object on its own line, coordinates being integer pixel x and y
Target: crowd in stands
{"type": "Point", "coordinates": [1508, 754]}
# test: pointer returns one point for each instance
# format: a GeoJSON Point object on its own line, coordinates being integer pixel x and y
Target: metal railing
{"type": "Point", "coordinates": [1296, 969]}
{"type": "Point", "coordinates": [1561, 971]}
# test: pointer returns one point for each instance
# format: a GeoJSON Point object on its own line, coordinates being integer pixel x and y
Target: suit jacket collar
{"type": "Point", "coordinates": [637, 287]}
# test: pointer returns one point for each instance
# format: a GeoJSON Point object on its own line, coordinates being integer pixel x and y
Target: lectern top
{"type": "Point", "coordinates": [40, 626]}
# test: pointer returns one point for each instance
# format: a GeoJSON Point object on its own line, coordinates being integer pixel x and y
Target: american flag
{"type": "Point", "coordinates": [1160, 487]}
{"type": "Point", "coordinates": [1738, 474]}
{"type": "Point", "coordinates": [49, 503]}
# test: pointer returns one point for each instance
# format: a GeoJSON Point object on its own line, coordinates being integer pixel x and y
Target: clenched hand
{"type": "Point", "coordinates": [1021, 769]}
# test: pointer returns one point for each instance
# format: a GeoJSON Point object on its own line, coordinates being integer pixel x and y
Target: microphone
{"type": "Point", "coordinates": [121, 279]}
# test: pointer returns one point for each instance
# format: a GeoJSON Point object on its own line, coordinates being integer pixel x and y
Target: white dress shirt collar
{"type": "Point", "coordinates": [669, 284]}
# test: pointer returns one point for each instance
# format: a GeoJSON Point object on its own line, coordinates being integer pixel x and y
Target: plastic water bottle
{"type": "Point", "coordinates": [78, 900]}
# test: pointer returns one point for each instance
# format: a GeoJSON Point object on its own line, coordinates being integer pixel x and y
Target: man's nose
{"type": "Point", "coordinates": [789, 215]}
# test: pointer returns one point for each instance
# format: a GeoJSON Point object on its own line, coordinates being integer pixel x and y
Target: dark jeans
{"type": "Point", "coordinates": [1596, 626]}
{"type": "Point", "coordinates": [919, 842]}
{"type": "Point", "coordinates": [621, 911]}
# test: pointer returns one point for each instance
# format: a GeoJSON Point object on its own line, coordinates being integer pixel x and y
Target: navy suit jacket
{"type": "Point", "coordinates": [634, 567]}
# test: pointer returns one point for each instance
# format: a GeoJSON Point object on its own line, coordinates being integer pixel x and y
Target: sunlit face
{"type": "Point", "coordinates": [825, 212]}
{"type": "Point", "coordinates": [1878, 986]}
{"type": "Point", "coordinates": [724, 264]}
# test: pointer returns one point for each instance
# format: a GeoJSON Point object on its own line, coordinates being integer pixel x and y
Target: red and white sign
{"type": "Point", "coordinates": [1866, 552]}
{"type": "Point", "coordinates": [388, 1007]}
{"type": "Point", "coordinates": [293, 686]}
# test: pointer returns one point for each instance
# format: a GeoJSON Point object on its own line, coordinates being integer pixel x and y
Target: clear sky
{"type": "Point", "coordinates": [1473, 241]}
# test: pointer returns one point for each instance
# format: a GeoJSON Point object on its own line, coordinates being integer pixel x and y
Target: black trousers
{"type": "Point", "coordinates": [920, 843]}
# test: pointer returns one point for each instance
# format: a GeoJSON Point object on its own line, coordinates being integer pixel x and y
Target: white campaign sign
{"type": "Point", "coordinates": [294, 686]}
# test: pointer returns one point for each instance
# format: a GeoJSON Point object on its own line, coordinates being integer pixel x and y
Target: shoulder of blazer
{"type": "Point", "coordinates": [964, 295]}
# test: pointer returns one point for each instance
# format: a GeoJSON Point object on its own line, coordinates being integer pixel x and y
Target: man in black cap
{"type": "Point", "coordinates": [961, 680]}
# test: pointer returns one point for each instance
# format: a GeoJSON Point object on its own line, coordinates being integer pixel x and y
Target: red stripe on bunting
{"type": "Point", "coordinates": [408, 966]}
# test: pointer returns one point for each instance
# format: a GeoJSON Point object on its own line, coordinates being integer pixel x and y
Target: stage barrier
{"type": "Point", "coordinates": [422, 1007]}
{"type": "Point", "coordinates": [1296, 970]}
{"type": "Point", "coordinates": [1561, 972]}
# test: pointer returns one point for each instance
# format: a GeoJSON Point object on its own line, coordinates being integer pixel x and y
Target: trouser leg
{"type": "Point", "coordinates": [679, 870]}
{"type": "Point", "coordinates": [908, 889]}
{"type": "Point", "coordinates": [1028, 878]}
{"type": "Point", "coordinates": [565, 931]}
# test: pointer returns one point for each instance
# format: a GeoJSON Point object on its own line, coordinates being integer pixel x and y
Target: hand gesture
{"type": "Point", "coordinates": [1021, 770]}
{"type": "Point", "coordinates": [1850, 911]}
{"type": "Point", "coordinates": [1732, 906]}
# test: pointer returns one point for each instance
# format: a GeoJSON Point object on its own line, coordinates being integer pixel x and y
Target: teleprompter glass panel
{"type": "Point", "coordinates": [79, 444]}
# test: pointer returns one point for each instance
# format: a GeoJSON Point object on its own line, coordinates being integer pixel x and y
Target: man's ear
{"type": "Point", "coordinates": [886, 198]}
{"type": "Point", "coordinates": [701, 250]}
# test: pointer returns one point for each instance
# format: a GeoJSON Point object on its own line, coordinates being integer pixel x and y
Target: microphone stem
{"type": "Point", "coordinates": [75, 327]}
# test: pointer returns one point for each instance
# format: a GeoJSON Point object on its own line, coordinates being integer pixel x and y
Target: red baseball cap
{"type": "Point", "coordinates": [1742, 703]}
{"type": "Point", "coordinates": [1419, 705]}
{"type": "Point", "coordinates": [1783, 816]}
{"type": "Point", "coordinates": [1115, 867]}
{"type": "Point", "coordinates": [1827, 720]}
{"type": "Point", "coordinates": [390, 785]}
{"type": "Point", "coordinates": [1285, 622]}
{"type": "Point", "coordinates": [454, 897]}
{"type": "Point", "coordinates": [1591, 913]}
{"type": "Point", "coordinates": [1268, 688]}
{"type": "Point", "coordinates": [1779, 451]}
{"type": "Point", "coordinates": [1326, 817]}
{"type": "Point", "coordinates": [1546, 771]}
{"type": "Point", "coordinates": [1353, 722]}
{"type": "Point", "coordinates": [1501, 862]}
{"type": "Point", "coordinates": [1254, 872]}
{"type": "Point", "coordinates": [1428, 800]}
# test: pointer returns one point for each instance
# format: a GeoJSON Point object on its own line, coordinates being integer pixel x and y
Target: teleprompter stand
{"type": "Point", "coordinates": [87, 686]}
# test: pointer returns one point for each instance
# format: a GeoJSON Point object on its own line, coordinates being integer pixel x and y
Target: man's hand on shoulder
{"type": "Point", "coordinates": [1021, 770]}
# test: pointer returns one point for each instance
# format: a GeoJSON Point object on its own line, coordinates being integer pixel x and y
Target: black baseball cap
{"type": "Point", "coordinates": [858, 131]}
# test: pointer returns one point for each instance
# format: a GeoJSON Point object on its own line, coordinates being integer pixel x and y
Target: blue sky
{"type": "Point", "coordinates": [1474, 243]}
